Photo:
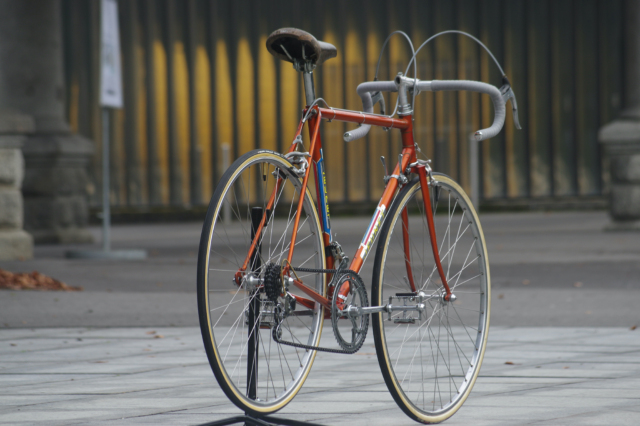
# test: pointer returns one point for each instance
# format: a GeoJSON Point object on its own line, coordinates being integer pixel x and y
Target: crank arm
{"type": "Point", "coordinates": [356, 311]}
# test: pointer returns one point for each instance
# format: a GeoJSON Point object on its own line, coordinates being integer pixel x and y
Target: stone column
{"type": "Point", "coordinates": [15, 243]}
{"type": "Point", "coordinates": [32, 83]}
{"type": "Point", "coordinates": [621, 138]}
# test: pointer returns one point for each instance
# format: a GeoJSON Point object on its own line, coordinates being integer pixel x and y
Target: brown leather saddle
{"type": "Point", "coordinates": [299, 47]}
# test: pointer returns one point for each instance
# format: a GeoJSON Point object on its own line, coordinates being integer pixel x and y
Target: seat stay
{"type": "Point", "coordinates": [296, 223]}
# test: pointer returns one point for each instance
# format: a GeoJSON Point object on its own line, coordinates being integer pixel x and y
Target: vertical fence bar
{"type": "Point", "coordinates": [563, 100]}
{"type": "Point", "coordinates": [132, 89]}
{"type": "Point", "coordinates": [175, 169]}
{"type": "Point", "coordinates": [226, 162]}
{"type": "Point", "coordinates": [154, 180]}
{"type": "Point", "coordinates": [106, 199]}
{"type": "Point", "coordinates": [515, 66]}
{"type": "Point", "coordinates": [211, 31]}
{"type": "Point", "coordinates": [493, 150]}
{"type": "Point", "coordinates": [586, 94]}
{"type": "Point", "coordinates": [195, 152]}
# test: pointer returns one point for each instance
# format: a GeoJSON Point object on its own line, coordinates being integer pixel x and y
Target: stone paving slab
{"type": "Point", "coordinates": [127, 376]}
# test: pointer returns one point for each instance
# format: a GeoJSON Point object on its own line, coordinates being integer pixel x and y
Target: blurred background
{"type": "Point", "coordinates": [197, 75]}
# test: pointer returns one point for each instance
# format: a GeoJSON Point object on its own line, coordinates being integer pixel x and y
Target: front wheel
{"type": "Point", "coordinates": [430, 354]}
{"type": "Point", "coordinates": [239, 312]}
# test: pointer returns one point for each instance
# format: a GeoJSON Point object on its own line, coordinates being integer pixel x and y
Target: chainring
{"type": "Point", "coordinates": [357, 297]}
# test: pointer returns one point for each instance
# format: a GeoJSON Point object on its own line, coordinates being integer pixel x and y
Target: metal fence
{"type": "Point", "coordinates": [197, 76]}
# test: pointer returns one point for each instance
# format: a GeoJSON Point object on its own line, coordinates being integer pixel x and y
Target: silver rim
{"type": "Point", "coordinates": [281, 369]}
{"type": "Point", "coordinates": [434, 357]}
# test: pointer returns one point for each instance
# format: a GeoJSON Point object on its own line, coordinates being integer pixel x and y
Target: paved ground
{"type": "Point", "coordinates": [126, 376]}
{"type": "Point", "coordinates": [565, 297]}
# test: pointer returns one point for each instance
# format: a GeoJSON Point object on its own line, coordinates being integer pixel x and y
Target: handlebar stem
{"type": "Point", "coordinates": [404, 107]}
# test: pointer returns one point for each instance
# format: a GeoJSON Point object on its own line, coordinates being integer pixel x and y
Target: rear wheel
{"type": "Point", "coordinates": [430, 357]}
{"type": "Point", "coordinates": [237, 317]}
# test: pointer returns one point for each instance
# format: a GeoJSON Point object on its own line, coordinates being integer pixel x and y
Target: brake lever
{"type": "Point", "coordinates": [377, 97]}
{"type": "Point", "coordinates": [507, 94]}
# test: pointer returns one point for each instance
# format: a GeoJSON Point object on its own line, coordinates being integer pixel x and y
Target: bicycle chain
{"type": "Point", "coordinates": [313, 348]}
{"type": "Point", "coordinates": [310, 347]}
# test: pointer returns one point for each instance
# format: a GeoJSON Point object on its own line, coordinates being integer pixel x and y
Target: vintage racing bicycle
{"type": "Point", "coordinates": [271, 274]}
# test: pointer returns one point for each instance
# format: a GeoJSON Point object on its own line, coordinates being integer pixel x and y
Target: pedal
{"type": "Point", "coordinates": [404, 321]}
{"type": "Point", "coordinates": [406, 303]}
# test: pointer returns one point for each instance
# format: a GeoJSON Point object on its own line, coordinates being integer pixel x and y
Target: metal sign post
{"type": "Point", "coordinates": [110, 97]}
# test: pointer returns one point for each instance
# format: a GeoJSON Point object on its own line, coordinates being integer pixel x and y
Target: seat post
{"type": "Point", "coordinates": [309, 89]}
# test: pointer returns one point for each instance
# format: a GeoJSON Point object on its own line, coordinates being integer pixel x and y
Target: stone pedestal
{"type": "Point", "coordinates": [32, 83]}
{"type": "Point", "coordinates": [15, 243]}
{"type": "Point", "coordinates": [621, 140]}
{"type": "Point", "coordinates": [55, 188]}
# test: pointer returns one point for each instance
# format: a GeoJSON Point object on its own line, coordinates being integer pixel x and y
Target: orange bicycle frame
{"type": "Point", "coordinates": [408, 161]}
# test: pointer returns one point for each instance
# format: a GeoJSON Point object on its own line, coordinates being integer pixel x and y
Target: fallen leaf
{"type": "Point", "coordinates": [509, 363]}
{"type": "Point", "coordinates": [565, 368]}
{"type": "Point", "coordinates": [32, 281]}
{"type": "Point", "coordinates": [633, 327]}
{"type": "Point", "coordinates": [501, 296]}
{"type": "Point", "coordinates": [158, 336]}
{"type": "Point", "coordinates": [151, 332]}
{"type": "Point", "coordinates": [13, 344]}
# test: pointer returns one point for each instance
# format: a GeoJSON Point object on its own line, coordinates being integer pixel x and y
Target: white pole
{"type": "Point", "coordinates": [474, 174]}
{"type": "Point", "coordinates": [110, 97]}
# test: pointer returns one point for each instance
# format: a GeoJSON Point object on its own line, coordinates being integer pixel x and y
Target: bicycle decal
{"type": "Point", "coordinates": [372, 231]}
{"type": "Point", "coordinates": [324, 198]}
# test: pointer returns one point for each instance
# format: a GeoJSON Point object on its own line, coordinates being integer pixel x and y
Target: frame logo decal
{"type": "Point", "coordinates": [372, 231]}
{"type": "Point", "coordinates": [324, 197]}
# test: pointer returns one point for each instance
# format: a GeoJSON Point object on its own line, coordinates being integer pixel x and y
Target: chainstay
{"type": "Point", "coordinates": [310, 347]}
{"type": "Point", "coordinates": [321, 271]}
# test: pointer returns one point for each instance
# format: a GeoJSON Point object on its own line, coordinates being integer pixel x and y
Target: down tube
{"type": "Point", "coordinates": [323, 198]}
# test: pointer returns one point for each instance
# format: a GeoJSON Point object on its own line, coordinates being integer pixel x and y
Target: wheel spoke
{"type": "Point", "coordinates": [280, 369]}
{"type": "Point", "coordinates": [431, 356]}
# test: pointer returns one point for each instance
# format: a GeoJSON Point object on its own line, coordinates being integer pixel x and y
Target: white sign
{"type": "Point", "coordinates": [110, 75]}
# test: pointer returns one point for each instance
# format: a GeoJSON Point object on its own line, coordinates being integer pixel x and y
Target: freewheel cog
{"type": "Point", "coordinates": [272, 282]}
{"type": "Point", "coordinates": [350, 330]}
